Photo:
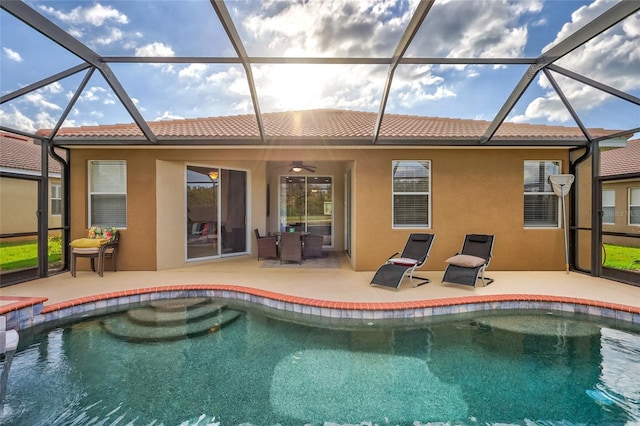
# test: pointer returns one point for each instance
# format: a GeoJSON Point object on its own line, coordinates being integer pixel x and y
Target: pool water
{"type": "Point", "coordinates": [262, 370]}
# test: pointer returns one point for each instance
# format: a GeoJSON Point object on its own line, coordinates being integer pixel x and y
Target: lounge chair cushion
{"type": "Point", "coordinates": [466, 261]}
{"type": "Point", "coordinates": [403, 261]}
{"type": "Point", "coordinates": [88, 242]}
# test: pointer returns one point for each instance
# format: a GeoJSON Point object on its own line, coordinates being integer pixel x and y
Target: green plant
{"type": "Point", "coordinates": [54, 247]}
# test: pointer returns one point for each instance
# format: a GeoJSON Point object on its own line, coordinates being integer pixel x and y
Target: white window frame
{"type": "Point", "coordinates": [394, 193]}
{"type": "Point", "coordinates": [633, 203]}
{"type": "Point", "coordinates": [549, 192]}
{"type": "Point", "coordinates": [609, 202]}
{"type": "Point", "coordinates": [56, 195]}
{"type": "Point", "coordinates": [117, 187]}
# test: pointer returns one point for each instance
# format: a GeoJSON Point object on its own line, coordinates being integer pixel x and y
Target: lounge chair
{"type": "Point", "coordinates": [291, 247]}
{"type": "Point", "coordinates": [468, 266]}
{"type": "Point", "coordinates": [267, 246]}
{"type": "Point", "coordinates": [414, 256]}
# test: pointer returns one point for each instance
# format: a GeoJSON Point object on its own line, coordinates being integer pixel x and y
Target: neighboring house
{"type": "Point", "coordinates": [199, 191]}
{"type": "Point", "coordinates": [620, 170]}
{"type": "Point", "coordinates": [21, 171]}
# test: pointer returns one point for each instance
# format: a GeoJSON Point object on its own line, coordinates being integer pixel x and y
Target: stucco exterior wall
{"type": "Point", "coordinates": [473, 191]}
{"type": "Point", "coordinates": [19, 206]}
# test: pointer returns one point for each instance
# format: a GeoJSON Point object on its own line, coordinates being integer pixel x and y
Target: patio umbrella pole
{"type": "Point", "coordinates": [559, 182]}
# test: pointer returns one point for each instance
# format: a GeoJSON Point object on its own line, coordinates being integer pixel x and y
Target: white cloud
{"type": "Point", "coordinates": [17, 120]}
{"type": "Point", "coordinates": [114, 35]}
{"type": "Point", "coordinates": [96, 25]}
{"type": "Point", "coordinates": [346, 28]}
{"type": "Point", "coordinates": [45, 121]}
{"type": "Point", "coordinates": [168, 115]}
{"type": "Point", "coordinates": [193, 71]}
{"type": "Point", "coordinates": [95, 15]}
{"type": "Point", "coordinates": [548, 107]}
{"type": "Point", "coordinates": [336, 28]}
{"type": "Point", "coordinates": [12, 54]}
{"type": "Point", "coordinates": [92, 94]}
{"type": "Point", "coordinates": [612, 58]}
{"type": "Point", "coordinates": [155, 49]}
{"type": "Point", "coordinates": [53, 88]}
{"type": "Point", "coordinates": [475, 29]}
{"type": "Point", "coordinates": [38, 100]}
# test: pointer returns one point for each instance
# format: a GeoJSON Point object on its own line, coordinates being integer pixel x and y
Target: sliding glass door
{"type": "Point", "coordinates": [216, 212]}
{"type": "Point", "coordinates": [306, 204]}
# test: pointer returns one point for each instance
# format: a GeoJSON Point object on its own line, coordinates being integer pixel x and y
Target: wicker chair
{"type": "Point", "coordinates": [101, 242]}
{"type": "Point", "coordinates": [313, 246]}
{"type": "Point", "coordinates": [291, 247]}
{"type": "Point", "coordinates": [267, 246]}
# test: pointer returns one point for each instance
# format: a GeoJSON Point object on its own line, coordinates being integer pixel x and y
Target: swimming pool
{"type": "Point", "coordinates": [259, 367]}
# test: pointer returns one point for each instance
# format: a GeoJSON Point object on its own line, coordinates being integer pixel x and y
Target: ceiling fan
{"type": "Point", "coordinates": [298, 166]}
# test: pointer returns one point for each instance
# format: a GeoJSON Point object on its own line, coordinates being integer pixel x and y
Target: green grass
{"type": "Point", "coordinates": [621, 257]}
{"type": "Point", "coordinates": [24, 254]}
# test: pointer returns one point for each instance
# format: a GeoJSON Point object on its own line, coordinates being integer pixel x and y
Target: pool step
{"type": "Point", "coordinates": [171, 313]}
{"type": "Point", "coordinates": [173, 320]}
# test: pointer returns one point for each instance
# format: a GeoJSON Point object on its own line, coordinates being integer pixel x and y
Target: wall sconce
{"type": "Point", "coordinates": [213, 175]}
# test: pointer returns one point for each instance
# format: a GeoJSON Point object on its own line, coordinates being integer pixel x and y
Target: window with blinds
{"type": "Point", "coordinates": [540, 202]}
{"type": "Point", "coordinates": [634, 206]}
{"type": "Point", "coordinates": [411, 193]}
{"type": "Point", "coordinates": [108, 193]}
{"type": "Point", "coordinates": [56, 199]}
{"type": "Point", "coordinates": [608, 207]}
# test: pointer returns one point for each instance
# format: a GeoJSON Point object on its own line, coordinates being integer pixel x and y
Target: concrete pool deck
{"type": "Point", "coordinates": [332, 289]}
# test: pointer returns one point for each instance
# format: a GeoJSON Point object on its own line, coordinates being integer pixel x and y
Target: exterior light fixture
{"type": "Point", "coordinates": [213, 175]}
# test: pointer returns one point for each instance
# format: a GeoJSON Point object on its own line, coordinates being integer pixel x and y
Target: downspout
{"type": "Point", "coordinates": [42, 213]}
{"type": "Point", "coordinates": [596, 256]}
{"type": "Point", "coordinates": [66, 203]}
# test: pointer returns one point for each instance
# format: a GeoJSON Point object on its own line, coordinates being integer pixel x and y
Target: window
{"type": "Point", "coordinates": [56, 199]}
{"type": "Point", "coordinates": [108, 193]}
{"type": "Point", "coordinates": [608, 207]}
{"type": "Point", "coordinates": [540, 203]}
{"type": "Point", "coordinates": [634, 206]}
{"type": "Point", "coordinates": [411, 193]}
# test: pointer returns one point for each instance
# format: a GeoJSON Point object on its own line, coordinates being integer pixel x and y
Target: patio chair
{"type": "Point", "coordinates": [468, 266]}
{"type": "Point", "coordinates": [101, 242]}
{"type": "Point", "coordinates": [312, 246]}
{"type": "Point", "coordinates": [291, 247]}
{"type": "Point", "coordinates": [413, 256]}
{"type": "Point", "coordinates": [267, 246]}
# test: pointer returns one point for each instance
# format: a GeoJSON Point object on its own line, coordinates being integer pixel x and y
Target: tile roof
{"type": "Point", "coordinates": [621, 161]}
{"type": "Point", "coordinates": [21, 153]}
{"type": "Point", "coordinates": [327, 124]}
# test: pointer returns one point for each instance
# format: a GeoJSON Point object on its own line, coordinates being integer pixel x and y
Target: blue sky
{"type": "Point", "coordinates": [314, 28]}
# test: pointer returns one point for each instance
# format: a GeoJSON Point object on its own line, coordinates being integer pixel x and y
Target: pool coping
{"type": "Point", "coordinates": [25, 312]}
